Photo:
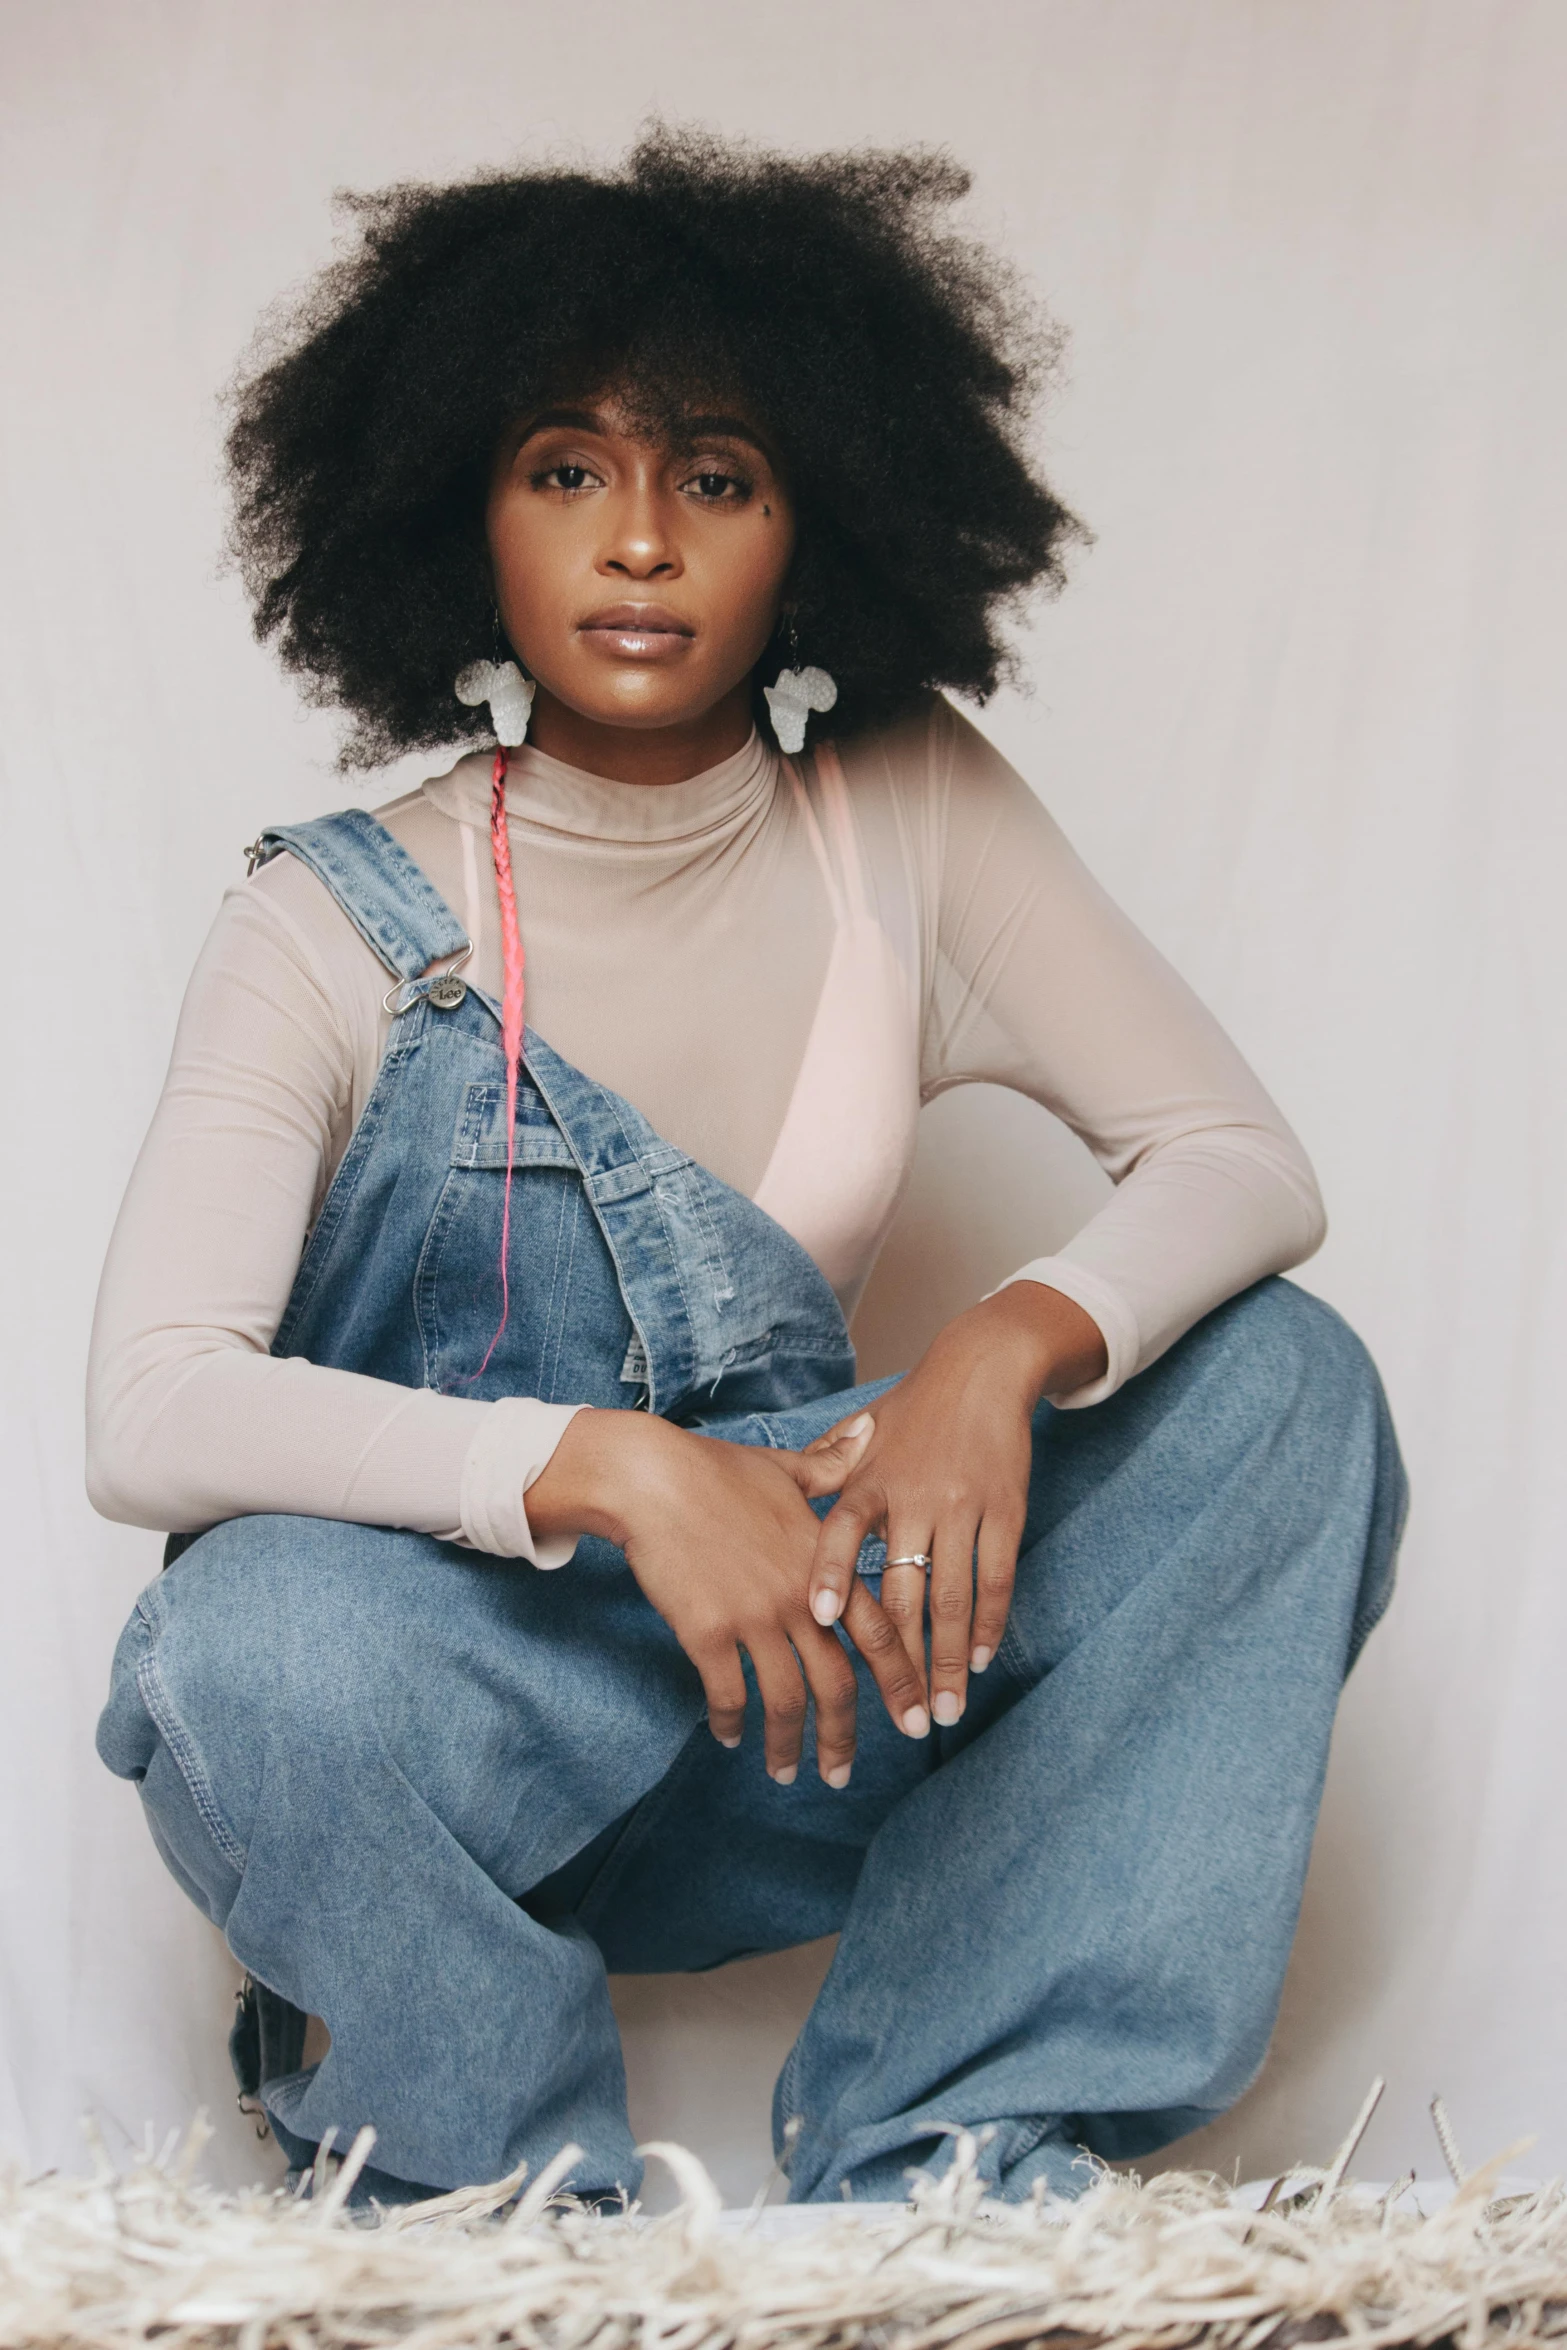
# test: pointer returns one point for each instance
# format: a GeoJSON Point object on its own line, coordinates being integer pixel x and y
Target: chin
{"type": "Point", "coordinates": [644, 713]}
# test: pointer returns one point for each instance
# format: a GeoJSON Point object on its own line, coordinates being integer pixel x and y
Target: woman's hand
{"type": "Point", "coordinates": [721, 1539]}
{"type": "Point", "coordinates": [945, 1475]}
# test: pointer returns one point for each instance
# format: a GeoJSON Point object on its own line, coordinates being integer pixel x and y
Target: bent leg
{"type": "Point", "coordinates": [1076, 1929]}
{"type": "Point", "coordinates": [357, 1748]}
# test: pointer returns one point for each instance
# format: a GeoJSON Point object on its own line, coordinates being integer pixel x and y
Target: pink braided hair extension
{"type": "Point", "coordinates": [511, 1015]}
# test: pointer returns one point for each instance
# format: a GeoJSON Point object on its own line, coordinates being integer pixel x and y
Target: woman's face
{"type": "Point", "coordinates": [639, 581]}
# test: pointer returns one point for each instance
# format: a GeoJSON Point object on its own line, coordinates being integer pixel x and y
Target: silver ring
{"type": "Point", "coordinates": [916, 1558]}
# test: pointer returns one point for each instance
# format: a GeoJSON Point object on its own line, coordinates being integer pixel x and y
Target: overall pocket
{"type": "Point", "coordinates": [568, 1330]}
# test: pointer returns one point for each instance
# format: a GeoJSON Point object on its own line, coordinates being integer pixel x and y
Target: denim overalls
{"type": "Point", "coordinates": [431, 1797]}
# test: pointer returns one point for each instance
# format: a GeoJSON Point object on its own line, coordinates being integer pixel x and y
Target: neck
{"type": "Point", "coordinates": [638, 754]}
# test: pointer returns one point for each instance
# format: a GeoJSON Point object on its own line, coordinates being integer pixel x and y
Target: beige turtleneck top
{"type": "Point", "coordinates": [777, 963]}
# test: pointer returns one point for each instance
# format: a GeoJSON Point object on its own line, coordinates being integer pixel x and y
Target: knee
{"type": "Point", "coordinates": [1295, 1389]}
{"type": "Point", "coordinates": [1279, 1355]}
{"type": "Point", "coordinates": [1276, 1387]}
{"type": "Point", "coordinates": [251, 1654]}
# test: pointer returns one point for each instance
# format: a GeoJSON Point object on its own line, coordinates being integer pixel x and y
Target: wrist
{"type": "Point", "coordinates": [602, 1461]}
{"type": "Point", "coordinates": [1058, 1346]}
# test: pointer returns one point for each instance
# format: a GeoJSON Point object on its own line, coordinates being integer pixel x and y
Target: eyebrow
{"type": "Point", "coordinates": [732, 428]}
{"type": "Point", "coordinates": [568, 419]}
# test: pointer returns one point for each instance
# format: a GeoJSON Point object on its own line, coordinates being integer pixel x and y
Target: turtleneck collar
{"type": "Point", "coordinates": [544, 792]}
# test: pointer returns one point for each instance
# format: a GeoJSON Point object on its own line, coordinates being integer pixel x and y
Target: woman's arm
{"type": "Point", "coordinates": [1042, 984]}
{"type": "Point", "coordinates": [189, 1418]}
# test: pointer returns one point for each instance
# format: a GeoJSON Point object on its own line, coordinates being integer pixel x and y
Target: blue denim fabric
{"type": "Point", "coordinates": [636, 1276]}
{"type": "Point", "coordinates": [433, 1798]}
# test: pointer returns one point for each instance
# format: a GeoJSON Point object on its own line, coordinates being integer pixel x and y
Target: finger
{"type": "Point", "coordinates": [783, 1702]}
{"type": "Point", "coordinates": [880, 1642]}
{"type": "Point", "coordinates": [903, 1598]}
{"type": "Point", "coordinates": [909, 1537]}
{"type": "Point", "coordinates": [995, 1576]}
{"type": "Point", "coordinates": [951, 1609]}
{"type": "Point", "coordinates": [723, 1684]}
{"type": "Point", "coordinates": [856, 1428]}
{"type": "Point", "coordinates": [856, 1513]}
{"type": "Point", "coordinates": [826, 1466]}
{"type": "Point", "coordinates": [831, 1676]}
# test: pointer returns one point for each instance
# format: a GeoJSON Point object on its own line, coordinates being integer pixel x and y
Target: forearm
{"type": "Point", "coordinates": [225, 1433]}
{"type": "Point", "coordinates": [190, 1417]}
{"type": "Point", "coordinates": [1195, 1225]}
{"type": "Point", "coordinates": [201, 1434]}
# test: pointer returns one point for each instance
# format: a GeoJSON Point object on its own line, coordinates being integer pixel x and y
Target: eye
{"type": "Point", "coordinates": [713, 486]}
{"type": "Point", "coordinates": [568, 476]}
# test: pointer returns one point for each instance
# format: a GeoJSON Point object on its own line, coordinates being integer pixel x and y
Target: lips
{"type": "Point", "coordinates": [645, 632]}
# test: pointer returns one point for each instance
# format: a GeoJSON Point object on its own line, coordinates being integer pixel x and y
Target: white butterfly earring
{"type": "Point", "coordinates": [503, 686]}
{"type": "Point", "coordinates": [797, 693]}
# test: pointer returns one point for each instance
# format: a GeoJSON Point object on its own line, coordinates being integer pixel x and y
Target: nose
{"type": "Point", "coordinates": [639, 543]}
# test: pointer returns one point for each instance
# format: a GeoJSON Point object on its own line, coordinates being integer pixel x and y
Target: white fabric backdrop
{"type": "Point", "coordinates": [1302, 710]}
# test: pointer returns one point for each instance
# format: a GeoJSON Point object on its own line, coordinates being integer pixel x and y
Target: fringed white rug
{"type": "Point", "coordinates": [151, 2257]}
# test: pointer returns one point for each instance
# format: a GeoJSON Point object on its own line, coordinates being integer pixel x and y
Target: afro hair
{"type": "Point", "coordinates": [893, 364]}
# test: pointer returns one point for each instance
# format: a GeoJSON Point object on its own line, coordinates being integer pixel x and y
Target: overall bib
{"type": "Point", "coordinates": [432, 1797]}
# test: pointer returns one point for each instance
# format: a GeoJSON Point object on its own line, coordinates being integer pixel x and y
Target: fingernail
{"type": "Point", "coordinates": [824, 1607]}
{"type": "Point", "coordinates": [947, 1707]}
{"type": "Point", "coordinates": [916, 1722]}
{"type": "Point", "coordinates": [838, 1776]}
{"type": "Point", "coordinates": [785, 1777]}
{"type": "Point", "coordinates": [855, 1427]}
{"type": "Point", "coordinates": [980, 1659]}
{"type": "Point", "coordinates": [731, 1743]}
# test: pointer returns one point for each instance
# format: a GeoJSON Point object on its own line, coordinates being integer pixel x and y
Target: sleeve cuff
{"type": "Point", "coordinates": [1123, 1340]}
{"type": "Point", "coordinates": [507, 1452]}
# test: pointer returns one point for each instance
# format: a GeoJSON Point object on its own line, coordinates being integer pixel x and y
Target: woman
{"type": "Point", "coordinates": [405, 1305]}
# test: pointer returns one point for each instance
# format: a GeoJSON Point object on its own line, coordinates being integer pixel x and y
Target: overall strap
{"type": "Point", "coordinates": [400, 916]}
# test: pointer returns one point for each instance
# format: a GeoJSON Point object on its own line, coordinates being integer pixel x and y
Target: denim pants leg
{"type": "Point", "coordinates": [1068, 1917]}
{"type": "Point", "coordinates": [358, 1749]}
{"type": "Point", "coordinates": [1076, 1929]}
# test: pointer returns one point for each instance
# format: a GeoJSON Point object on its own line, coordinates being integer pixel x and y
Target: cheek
{"type": "Point", "coordinates": [532, 553]}
{"type": "Point", "coordinates": [747, 578]}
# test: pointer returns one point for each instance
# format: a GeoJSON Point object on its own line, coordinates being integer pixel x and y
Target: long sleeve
{"type": "Point", "coordinates": [190, 1419]}
{"type": "Point", "coordinates": [1042, 984]}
